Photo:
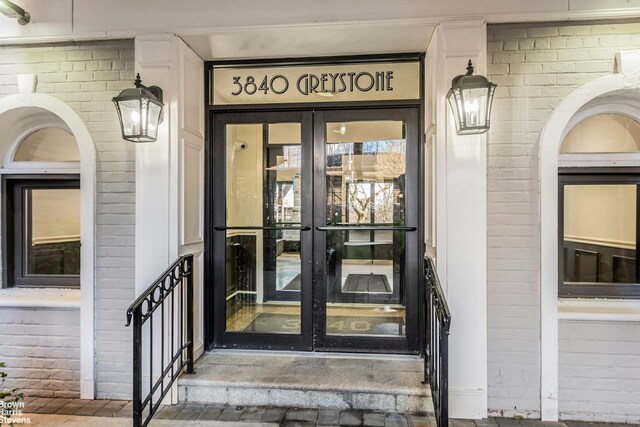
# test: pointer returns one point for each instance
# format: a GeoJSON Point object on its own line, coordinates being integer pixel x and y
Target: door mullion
{"type": "Point", "coordinates": [319, 239]}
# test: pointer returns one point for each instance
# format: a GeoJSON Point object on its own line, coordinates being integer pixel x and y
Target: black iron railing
{"type": "Point", "coordinates": [162, 337]}
{"type": "Point", "coordinates": [436, 352]}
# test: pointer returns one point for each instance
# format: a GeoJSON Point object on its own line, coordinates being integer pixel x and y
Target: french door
{"type": "Point", "coordinates": [315, 230]}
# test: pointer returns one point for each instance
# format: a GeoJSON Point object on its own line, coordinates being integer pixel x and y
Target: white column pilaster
{"type": "Point", "coordinates": [156, 187]}
{"type": "Point", "coordinates": [461, 225]}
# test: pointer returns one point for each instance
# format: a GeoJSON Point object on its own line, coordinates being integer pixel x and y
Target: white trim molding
{"type": "Point", "coordinates": [600, 310]}
{"type": "Point", "coordinates": [595, 97]}
{"type": "Point", "coordinates": [40, 298]}
{"type": "Point", "coordinates": [574, 160]}
{"type": "Point", "coordinates": [23, 106]}
{"type": "Point", "coordinates": [468, 403]}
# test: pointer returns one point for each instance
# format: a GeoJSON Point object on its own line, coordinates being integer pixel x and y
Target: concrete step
{"type": "Point", "coordinates": [308, 380]}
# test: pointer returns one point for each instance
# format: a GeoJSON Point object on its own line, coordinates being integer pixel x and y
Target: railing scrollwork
{"type": "Point", "coordinates": [162, 318]}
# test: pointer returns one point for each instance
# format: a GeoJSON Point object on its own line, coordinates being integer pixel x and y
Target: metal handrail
{"type": "Point", "coordinates": [366, 228]}
{"type": "Point", "coordinates": [265, 228]}
{"type": "Point", "coordinates": [436, 343]}
{"type": "Point", "coordinates": [169, 301]}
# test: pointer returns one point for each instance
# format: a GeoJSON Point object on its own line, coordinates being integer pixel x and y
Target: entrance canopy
{"type": "Point", "coordinates": [318, 40]}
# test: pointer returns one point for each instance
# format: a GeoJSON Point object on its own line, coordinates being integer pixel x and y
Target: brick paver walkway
{"type": "Point", "coordinates": [283, 416]}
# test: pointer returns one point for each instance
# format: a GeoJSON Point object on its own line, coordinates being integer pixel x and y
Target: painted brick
{"type": "Point", "coordinates": [602, 356]}
{"type": "Point", "coordinates": [523, 68]}
{"type": "Point", "coordinates": [507, 32]}
{"type": "Point", "coordinates": [508, 58]}
{"type": "Point", "coordinates": [542, 32]}
{"type": "Point", "coordinates": [542, 43]}
{"type": "Point", "coordinates": [41, 350]}
{"type": "Point", "coordinates": [86, 75]}
{"type": "Point", "coordinates": [510, 45]}
{"type": "Point", "coordinates": [574, 55]}
{"type": "Point", "coordinates": [599, 366]}
{"type": "Point", "coordinates": [559, 67]}
{"type": "Point", "coordinates": [106, 75]}
{"type": "Point", "coordinates": [106, 54]}
{"type": "Point", "coordinates": [507, 80]}
{"type": "Point", "coordinates": [575, 30]}
{"type": "Point", "coordinates": [558, 43]}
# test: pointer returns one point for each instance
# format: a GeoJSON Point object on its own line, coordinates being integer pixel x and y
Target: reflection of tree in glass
{"type": "Point", "coordinates": [384, 203]}
{"type": "Point", "coordinates": [391, 158]}
{"type": "Point", "coordinates": [360, 200]}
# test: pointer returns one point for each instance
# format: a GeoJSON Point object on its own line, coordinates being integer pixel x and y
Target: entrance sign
{"type": "Point", "coordinates": [382, 81]}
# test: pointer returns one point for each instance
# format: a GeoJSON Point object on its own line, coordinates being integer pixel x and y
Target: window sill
{"type": "Point", "coordinates": [603, 310]}
{"type": "Point", "coordinates": [40, 298]}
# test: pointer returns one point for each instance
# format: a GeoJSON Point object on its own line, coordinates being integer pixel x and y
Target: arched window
{"type": "Point", "coordinates": [48, 145]}
{"type": "Point", "coordinates": [603, 133]}
{"type": "Point", "coordinates": [41, 213]}
{"type": "Point", "coordinates": [599, 208]}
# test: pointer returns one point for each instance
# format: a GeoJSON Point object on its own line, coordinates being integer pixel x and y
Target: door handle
{"type": "Point", "coordinates": [267, 228]}
{"type": "Point", "coordinates": [366, 228]}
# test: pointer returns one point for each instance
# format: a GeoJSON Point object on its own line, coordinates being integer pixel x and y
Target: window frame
{"type": "Point", "coordinates": [597, 176]}
{"type": "Point", "coordinates": [13, 230]}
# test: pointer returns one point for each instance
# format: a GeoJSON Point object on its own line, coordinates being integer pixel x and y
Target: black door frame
{"type": "Point", "coordinates": [213, 319]}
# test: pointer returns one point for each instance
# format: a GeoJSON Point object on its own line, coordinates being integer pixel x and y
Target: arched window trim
{"type": "Point", "coordinates": [605, 87]}
{"type": "Point", "coordinates": [44, 105]}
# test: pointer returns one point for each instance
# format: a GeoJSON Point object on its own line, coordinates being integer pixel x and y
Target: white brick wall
{"type": "Point", "coordinates": [41, 350]}
{"type": "Point", "coordinates": [535, 66]}
{"type": "Point", "coordinates": [87, 75]}
{"type": "Point", "coordinates": [599, 371]}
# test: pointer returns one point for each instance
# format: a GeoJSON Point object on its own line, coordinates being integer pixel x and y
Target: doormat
{"type": "Point", "coordinates": [366, 283]}
{"type": "Point", "coordinates": [294, 284]}
{"type": "Point", "coordinates": [336, 325]}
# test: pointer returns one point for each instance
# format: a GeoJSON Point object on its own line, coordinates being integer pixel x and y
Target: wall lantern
{"type": "Point", "coordinates": [470, 98]}
{"type": "Point", "coordinates": [140, 112]}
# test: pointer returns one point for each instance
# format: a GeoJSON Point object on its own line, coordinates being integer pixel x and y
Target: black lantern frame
{"type": "Point", "coordinates": [140, 112]}
{"type": "Point", "coordinates": [470, 98]}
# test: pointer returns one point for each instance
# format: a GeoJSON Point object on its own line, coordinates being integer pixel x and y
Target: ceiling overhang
{"type": "Point", "coordinates": [312, 40]}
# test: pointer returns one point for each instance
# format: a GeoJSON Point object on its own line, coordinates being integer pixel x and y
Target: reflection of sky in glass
{"type": "Point", "coordinates": [389, 146]}
{"type": "Point", "coordinates": [368, 147]}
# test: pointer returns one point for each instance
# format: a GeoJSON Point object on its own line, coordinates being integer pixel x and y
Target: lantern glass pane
{"type": "Point", "coordinates": [455, 104]}
{"type": "Point", "coordinates": [154, 120]}
{"type": "Point", "coordinates": [475, 106]}
{"type": "Point", "coordinates": [144, 115]}
{"type": "Point", "coordinates": [131, 119]}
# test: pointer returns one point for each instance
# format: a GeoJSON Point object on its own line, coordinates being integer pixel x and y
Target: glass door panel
{"type": "Point", "coordinates": [264, 238]}
{"type": "Point", "coordinates": [366, 226]}
{"type": "Point", "coordinates": [366, 164]}
{"type": "Point", "coordinates": [351, 177]}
